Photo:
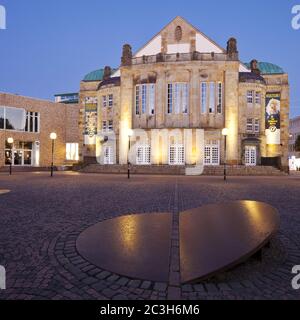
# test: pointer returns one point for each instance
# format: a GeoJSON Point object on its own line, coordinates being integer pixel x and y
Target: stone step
{"type": "Point", "coordinates": [181, 170]}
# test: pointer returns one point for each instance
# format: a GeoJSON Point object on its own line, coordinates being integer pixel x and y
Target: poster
{"type": "Point", "coordinates": [91, 115]}
{"type": "Point", "coordinates": [273, 108]}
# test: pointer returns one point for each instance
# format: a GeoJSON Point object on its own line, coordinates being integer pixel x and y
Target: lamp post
{"type": "Point", "coordinates": [130, 134]}
{"type": "Point", "coordinates": [53, 137]}
{"type": "Point", "coordinates": [10, 141]}
{"type": "Point", "coordinates": [225, 134]}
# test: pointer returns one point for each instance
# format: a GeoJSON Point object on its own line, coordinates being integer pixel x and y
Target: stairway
{"type": "Point", "coordinates": [181, 170]}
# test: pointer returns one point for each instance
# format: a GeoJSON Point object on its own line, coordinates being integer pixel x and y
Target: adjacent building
{"type": "Point", "coordinates": [294, 155]}
{"type": "Point", "coordinates": [30, 122]}
{"type": "Point", "coordinates": [168, 103]}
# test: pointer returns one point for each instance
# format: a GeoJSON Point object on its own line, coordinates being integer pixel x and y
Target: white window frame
{"type": "Point", "coordinates": [143, 155]}
{"type": "Point", "coordinates": [178, 98]}
{"type": "Point", "coordinates": [212, 153]}
{"type": "Point", "coordinates": [137, 100]}
{"type": "Point", "coordinates": [250, 97]}
{"type": "Point", "coordinates": [250, 156]}
{"type": "Point", "coordinates": [176, 155]}
{"type": "Point", "coordinates": [203, 97]}
{"type": "Point", "coordinates": [145, 99]}
{"type": "Point", "coordinates": [256, 125]}
{"type": "Point", "coordinates": [110, 100]}
{"type": "Point", "coordinates": [104, 101]}
{"type": "Point", "coordinates": [108, 155]}
{"type": "Point", "coordinates": [212, 97]}
{"type": "Point", "coordinates": [249, 125]}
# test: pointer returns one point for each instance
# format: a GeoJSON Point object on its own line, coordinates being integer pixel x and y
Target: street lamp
{"type": "Point", "coordinates": [130, 134]}
{"type": "Point", "coordinates": [53, 137]}
{"type": "Point", "coordinates": [225, 134]}
{"type": "Point", "coordinates": [10, 141]}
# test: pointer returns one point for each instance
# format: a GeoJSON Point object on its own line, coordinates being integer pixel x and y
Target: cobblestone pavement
{"type": "Point", "coordinates": [41, 218]}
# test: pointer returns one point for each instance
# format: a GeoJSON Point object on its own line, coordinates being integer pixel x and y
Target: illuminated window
{"type": "Point", "coordinates": [72, 151]}
{"type": "Point", "coordinates": [143, 155]}
{"type": "Point", "coordinates": [108, 155]}
{"type": "Point", "coordinates": [212, 153]}
{"type": "Point", "coordinates": [176, 154]}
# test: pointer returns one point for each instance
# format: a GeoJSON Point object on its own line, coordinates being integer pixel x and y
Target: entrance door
{"type": "Point", "coordinates": [250, 156]}
{"type": "Point", "coordinates": [108, 155]}
{"type": "Point", "coordinates": [212, 153]}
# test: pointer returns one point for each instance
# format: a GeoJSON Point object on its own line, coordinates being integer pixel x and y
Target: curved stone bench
{"type": "Point", "coordinates": [215, 238]}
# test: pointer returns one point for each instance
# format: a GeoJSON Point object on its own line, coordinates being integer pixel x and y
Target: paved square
{"type": "Point", "coordinates": [41, 218]}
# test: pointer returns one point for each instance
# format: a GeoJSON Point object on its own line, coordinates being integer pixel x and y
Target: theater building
{"type": "Point", "coordinates": [29, 122]}
{"type": "Point", "coordinates": [169, 101]}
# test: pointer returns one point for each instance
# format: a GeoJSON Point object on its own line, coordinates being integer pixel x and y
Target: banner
{"type": "Point", "coordinates": [91, 115]}
{"type": "Point", "coordinates": [273, 105]}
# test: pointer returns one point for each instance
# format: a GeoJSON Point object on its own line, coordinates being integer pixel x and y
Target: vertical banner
{"type": "Point", "coordinates": [91, 114]}
{"type": "Point", "coordinates": [273, 105]}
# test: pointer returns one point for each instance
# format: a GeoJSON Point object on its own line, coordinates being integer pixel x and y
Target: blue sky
{"type": "Point", "coordinates": [49, 46]}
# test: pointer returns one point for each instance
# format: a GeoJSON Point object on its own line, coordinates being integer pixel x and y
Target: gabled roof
{"type": "Point", "coordinates": [181, 20]}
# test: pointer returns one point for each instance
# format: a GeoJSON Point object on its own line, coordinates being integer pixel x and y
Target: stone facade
{"type": "Point", "coordinates": [209, 90]}
{"type": "Point", "coordinates": [53, 117]}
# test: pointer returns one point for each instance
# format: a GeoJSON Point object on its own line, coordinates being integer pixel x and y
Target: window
{"type": "Point", "coordinates": [110, 125]}
{"type": "Point", "coordinates": [250, 156]}
{"type": "Point", "coordinates": [250, 97]}
{"type": "Point", "coordinates": [137, 100]}
{"type": "Point", "coordinates": [176, 154]}
{"type": "Point", "coordinates": [32, 122]}
{"type": "Point", "coordinates": [151, 88]}
{"type": "Point", "coordinates": [72, 151]}
{"type": "Point", "coordinates": [18, 120]}
{"type": "Point", "coordinates": [107, 126]}
{"type": "Point", "coordinates": [143, 155]}
{"type": "Point", "coordinates": [145, 99]}
{"type": "Point", "coordinates": [104, 101]}
{"type": "Point", "coordinates": [104, 126]}
{"type": "Point", "coordinates": [249, 126]}
{"type": "Point", "coordinates": [110, 100]}
{"type": "Point", "coordinates": [212, 153]}
{"type": "Point", "coordinates": [20, 155]}
{"type": "Point", "coordinates": [256, 126]}
{"type": "Point", "coordinates": [178, 96]}
{"type": "Point", "coordinates": [108, 155]}
{"type": "Point", "coordinates": [212, 97]}
{"type": "Point", "coordinates": [203, 97]}
{"type": "Point", "coordinates": [170, 98]}
{"type": "Point", "coordinates": [220, 98]}
{"type": "Point", "coordinates": [257, 98]}
{"type": "Point", "coordinates": [253, 125]}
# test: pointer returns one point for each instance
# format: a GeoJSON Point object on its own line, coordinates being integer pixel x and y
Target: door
{"type": "Point", "coordinates": [250, 156]}
{"type": "Point", "coordinates": [108, 155]}
{"type": "Point", "coordinates": [212, 153]}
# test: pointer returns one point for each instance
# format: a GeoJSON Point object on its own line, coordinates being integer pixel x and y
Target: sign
{"type": "Point", "coordinates": [273, 108]}
{"type": "Point", "coordinates": [91, 115]}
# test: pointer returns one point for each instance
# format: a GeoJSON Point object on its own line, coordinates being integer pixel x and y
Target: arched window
{"type": "Point", "coordinates": [178, 33]}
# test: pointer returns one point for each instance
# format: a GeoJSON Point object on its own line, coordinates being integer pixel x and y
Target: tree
{"type": "Point", "coordinates": [297, 144]}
